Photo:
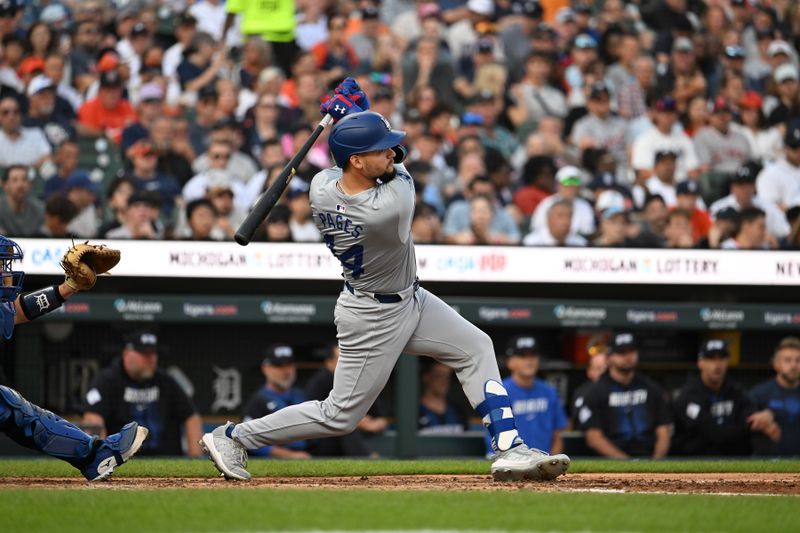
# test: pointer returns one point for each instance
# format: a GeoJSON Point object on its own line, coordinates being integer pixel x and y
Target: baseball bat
{"type": "Point", "coordinates": [267, 201]}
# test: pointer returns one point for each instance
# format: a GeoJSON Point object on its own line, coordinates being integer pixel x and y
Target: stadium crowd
{"type": "Point", "coordinates": [646, 123]}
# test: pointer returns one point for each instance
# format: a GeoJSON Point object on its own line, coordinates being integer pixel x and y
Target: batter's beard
{"type": "Point", "coordinates": [386, 177]}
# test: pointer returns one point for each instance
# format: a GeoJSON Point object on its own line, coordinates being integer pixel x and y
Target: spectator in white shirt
{"type": "Point", "coordinates": [663, 137]}
{"type": "Point", "coordinates": [752, 232]}
{"type": "Point", "coordinates": [743, 195]}
{"type": "Point", "coordinates": [779, 182]}
{"type": "Point", "coordinates": [719, 148]}
{"type": "Point", "coordinates": [569, 183]}
{"type": "Point", "coordinates": [18, 145]}
{"type": "Point", "coordinates": [557, 230]}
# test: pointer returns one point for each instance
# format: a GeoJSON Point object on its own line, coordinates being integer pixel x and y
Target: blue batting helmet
{"type": "Point", "coordinates": [11, 280]}
{"type": "Point", "coordinates": [364, 132]}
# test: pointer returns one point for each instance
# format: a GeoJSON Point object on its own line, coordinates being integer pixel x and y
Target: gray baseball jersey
{"type": "Point", "coordinates": [370, 233]}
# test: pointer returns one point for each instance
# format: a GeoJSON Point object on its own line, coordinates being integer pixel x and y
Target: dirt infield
{"type": "Point", "coordinates": [774, 484]}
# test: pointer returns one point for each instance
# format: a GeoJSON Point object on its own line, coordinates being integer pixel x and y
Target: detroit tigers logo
{"type": "Point", "coordinates": [42, 302]}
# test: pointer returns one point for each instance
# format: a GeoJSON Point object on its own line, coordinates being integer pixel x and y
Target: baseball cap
{"type": "Point", "coordinates": [545, 30]}
{"type": "Point", "coordinates": [581, 7]}
{"type": "Point", "coordinates": [428, 9]}
{"type": "Point", "coordinates": [779, 47]}
{"type": "Point", "coordinates": [485, 46]}
{"type": "Point", "coordinates": [666, 104]}
{"type": "Point", "coordinates": [569, 176]}
{"type": "Point", "coordinates": [471, 119]}
{"type": "Point", "coordinates": [728, 213]}
{"type": "Point", "coordinates": [622, 342]}
{"type": "Point", "coordinates": [144, 340]}
{"type": "Point", "coordinates": [751, 100]}
{"type": "Point", "coordinates": [481, 7]}
{"type": "Point", "coordinates": [664, 154]}
{"type": "Point", "coordinates": [8, 8]}
{"type": "Point", "coordinates": [218, 180]}
{"type": "Point", "coordinates": [186, 19]}
{"type": "Point", "coordinates": [531, 8]}
{"type": "Point", "coordinates": [151, 91]}
{"type": "Point", "coordinates": [297, 187]}
{"type": "Point", "coordinates": [610, 198]}
{"type": "Point", "coordinates": [767, 33]}
{"type": "Point", "coordinates": [602, 180]}
{"type": "Point", "coordinates": [278, 354]}
{"type": "Point", "coordinates": [734, 52]}
{"type": "Point", "coordinates": [151, 198]}
{"type": "Point", "coordinates": [713, 347]}
{"type": "Point", "coordinates": [38, 84]}
{"type": "Point", "coordinates": [139, 29]}
{"type": "Point", "coordinates": [792, 136]}
{"type": "Point", "coordinates": [108, 62]}
{"type": "Point", "coordinates": [687, 187]}
{"type": "Point", "coordinates": [370, 13]}
{"type": "Point", "coordinates": [81, 180]}
{"type": "Point", "coordinates": [784, 72]}
{"type": "Point", "coordinates": [110, 78]}
{"type": "Point", "coordinates": [597, 89]}
{"type": "Point", "coordinates": [207, 91]}
{"type": "Point", "coordinates": [585, 41]}
{"type": "Point", "coordinates": [746, 173]}
{"type": "Point", "coordinates": [484, 95]}
{"type": "Point", "coordinates": [522, 345]}
{"type": "Point", "coordinates": [612, 211]}
{"type": "Point", "coordinates": [721, 105]}
{"type": "Point", "coordinates": [564, 15]}
{"type": "Point", "coordinates": [682, 44]}
{"type": "Point", "coordinates": [53, 14]}
{"type": "Point", "coordinates": [30, 66]}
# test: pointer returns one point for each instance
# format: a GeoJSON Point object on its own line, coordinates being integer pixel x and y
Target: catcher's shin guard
{"type": "Point", "coordinates": [38, 429]}
{"type": "Point", "coordinates": [495, 410]}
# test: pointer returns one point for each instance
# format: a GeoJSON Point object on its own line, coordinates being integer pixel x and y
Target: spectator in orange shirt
{"type": "Point", "coordinates": [687, 193]}
{"type": "Point", "coordinates": [109, 112]}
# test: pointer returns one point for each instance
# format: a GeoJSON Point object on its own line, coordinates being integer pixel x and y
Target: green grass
{"type": "Point", "coordinates": [340, 467]}
{"type": "Point", "coordinates": [242, 510]}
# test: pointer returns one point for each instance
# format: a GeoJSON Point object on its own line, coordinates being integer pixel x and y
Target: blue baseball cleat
{"type": "Point", "coordinates": [115, 450]}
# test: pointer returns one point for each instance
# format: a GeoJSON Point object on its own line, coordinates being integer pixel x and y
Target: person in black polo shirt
{"type": "Point", "coordinates": [779, 399]}
{"type": "Point", "coordinates": [710, 410]}
{"type": "Point", "coordinates": [133, 387]}
{"type": "Point", "coordinates": [625, 414]}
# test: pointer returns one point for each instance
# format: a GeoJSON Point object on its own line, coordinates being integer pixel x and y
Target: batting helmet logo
{"type": "Point", "coordinates": [364, 132]}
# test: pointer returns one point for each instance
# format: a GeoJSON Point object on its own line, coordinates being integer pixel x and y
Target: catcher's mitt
{"type": "Point", "coordinates": [83, 262]}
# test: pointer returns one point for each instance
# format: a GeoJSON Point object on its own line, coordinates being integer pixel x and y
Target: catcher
{"type": "Point", "coordinates": [29, 425]}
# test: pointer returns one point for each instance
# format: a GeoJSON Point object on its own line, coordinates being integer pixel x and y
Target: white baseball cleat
{"type": "Point", "coordinates": [521, 462]}
{"type": "Point", "coordinates": [228, 456]}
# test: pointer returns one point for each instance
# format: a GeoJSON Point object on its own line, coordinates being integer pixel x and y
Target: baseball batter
{"type": "Point", "coordinates": [363, 208]}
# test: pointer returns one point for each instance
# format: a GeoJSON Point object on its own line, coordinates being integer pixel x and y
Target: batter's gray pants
{"type": "Point", "coordinates": [371, 337]}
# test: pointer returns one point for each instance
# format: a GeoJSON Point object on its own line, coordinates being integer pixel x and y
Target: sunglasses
{"type": "Point", "coordinates": [267, 106]}
{"type": "Point", "coordinates": [9, 111]}
{"type": "Point", "coordinates": [217, 157]}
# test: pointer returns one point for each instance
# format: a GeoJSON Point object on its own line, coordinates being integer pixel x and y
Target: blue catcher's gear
{"type": "Point", "coordinates": [10, 283]}
{"type": "Point", "coordinates": [115, 450]}
{"type": "Point", "coordinates": [367, 131]}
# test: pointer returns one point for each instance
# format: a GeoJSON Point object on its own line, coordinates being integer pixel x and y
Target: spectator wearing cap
{"type": "Point", "coordinates": [596, 366]}
{"type": "Point", "coordinates": [437, 413]}
{"type": "Point", "coordinates": [557, 229]}
{"type": "Point", "coordinates": [278, 392]}
{"type": "Point", "coordinates": [140, 218]}
{"type": "Point", "coordinates": [20, 145]}
{"type": "Point", "coordinates": [569, 182]}
{"type": "Point", "coordinates": [683, 80]}
{"type": "Point", "coordinates": [777, 402]}
{"type": "Point", "coordinates": [721, 149]}
{"type": "Point", "coordinates": [205, 117]}
{"type": "Point", "coordinates": [146, 177]}
{"type": "Point", "coordinates": [664, 137]}
{"type": "Point", "coordinates": [583, 57]}
{"type": "Point", "coordinates": [300, 223]}
{"type": "Point", "coordinates": [108, 113]}
{"type": "Point", "coordinates": [662, 182]}
{"type": "Point", "coordinates": [600, 129]}
{"type": "Point", "coordinates": [21, 215]}
{"type": "Point", "coordinates": [613, 229]}
{"type": "Point", "coordinates": [779, 181]}
{"type": "Point", "coordinates": [374, 422]}
{"type": "Point", "coordinates": [534, 98]}
{"type": "Point", "coordinates": [766, 142]}
{"type": "Point", "coordinates": [58, 213]}
{"type": "Point", "coordinates": [751, 233]}
{"type": "Point", "coordinates": [151, 106]}
{"type": "Point", "coordinates": [723, 226]}
{"type": "Point", "coordinates": [82, 192]}
{"type": "Point", "coordinates": [743, 195]}
{"type": "Point", "coordinates": [710, 411]}
{"type": "Point", "coordinates": [625, 414]}
{"type": "Point", "coordinates": [481, 70]}
{"type": "Point", "coordinates": [133, 387]}
{"type": "Point", "coordinates": [687, 198]}
{"type": "Point", "coordinates": [466, 25]}
{"type": "Point", "coordinates": [786, 106]}
{"type": "Point", "coordinates": [43, 113]}
{"type": "Point", "coordinates": [185, 28]}
{"type": "Point", "coordinates": [83, 52]}
{"type": "Point", "coordinates": [538, 412]}
{"type": "Point", "coordinates": [132, 47]}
